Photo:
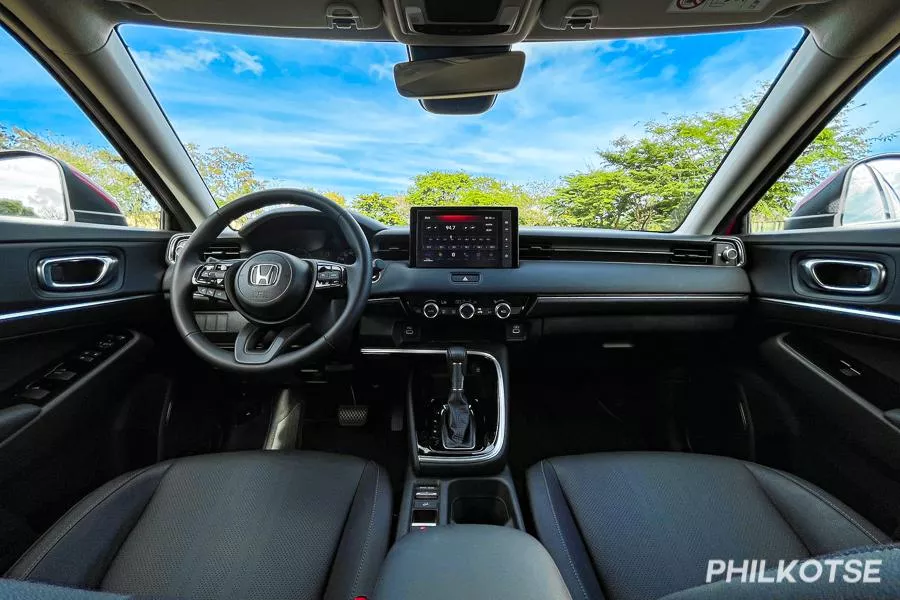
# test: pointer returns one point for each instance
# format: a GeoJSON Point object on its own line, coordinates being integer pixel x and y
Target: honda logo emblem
{"type": "Point", "coordinates": [265, 274]}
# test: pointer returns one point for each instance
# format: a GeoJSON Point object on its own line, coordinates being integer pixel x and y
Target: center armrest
{"type": "Point", "coordinates": [469, 561]}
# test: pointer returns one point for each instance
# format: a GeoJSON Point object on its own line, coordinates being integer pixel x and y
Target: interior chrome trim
{"type": "Point", "coordinates": [561, 299]}
{"type": "Point", "coordinates": [491, 452]}
{"type": "Point", "coordinates": [38, 312]}
{"type": "Point", "coordinates": [877, 275]}
{"type": "Point", "coordinates": [170, 247]}
{"type": "Point", "coordinates": [843, 310]}
{"type": "Point", "coordinates": [45, 276]}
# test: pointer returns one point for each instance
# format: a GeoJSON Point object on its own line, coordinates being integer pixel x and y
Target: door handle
{"type": "Point", "coordinates": [75, 272]}
{"type": "Point", "coordinates": [842, 276]}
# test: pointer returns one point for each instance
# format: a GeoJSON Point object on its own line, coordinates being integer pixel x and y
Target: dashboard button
{"type": "Point", "coordinates": [465, 277]}
{"type": "Point", "coordinates": [466, 311]}
{"type": "Point", "coordinates": [431, 310]}
{"type": "Point", "coordinates": [502, 310]}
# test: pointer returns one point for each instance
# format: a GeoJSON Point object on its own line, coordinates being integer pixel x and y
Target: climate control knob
{"type": "Point", "coordinates": [466, 310]}
{"type": "Point", "coordinates": [502, 310]}
{"type": "Point", "coordinates": [431, 310]}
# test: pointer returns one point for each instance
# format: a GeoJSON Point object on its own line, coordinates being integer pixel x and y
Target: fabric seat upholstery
{"type": "Point", "coordinates": [236, 525]}
{"type": "Point", "coordinates": [639, 526]}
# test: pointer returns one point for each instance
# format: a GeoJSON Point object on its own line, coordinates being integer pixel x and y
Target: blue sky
{"type": "Point", "coordinates": [326, 115]}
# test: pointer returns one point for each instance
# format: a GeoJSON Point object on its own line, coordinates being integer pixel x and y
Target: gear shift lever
{"type": "Point", "coordinates": [457, 427]}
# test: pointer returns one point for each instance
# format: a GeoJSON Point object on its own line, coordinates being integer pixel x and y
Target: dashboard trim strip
{"type": "Point", "coordinates": [560, 299]}
{"type": "Point", "coordinates": [842, 310]}
{"type": "Point", "coordinates": [39, 312]}
{"type": "Point", "coordinates": [496, 448]}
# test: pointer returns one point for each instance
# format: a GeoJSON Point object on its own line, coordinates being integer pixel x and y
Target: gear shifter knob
{"type": "Point", "coordinates": [456, 361]}
{"type": "Point", "coordinates": [457, 428]}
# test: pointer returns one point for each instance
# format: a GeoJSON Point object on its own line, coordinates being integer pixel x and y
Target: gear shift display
{"type": "Point", "coordinates": [457, 425]}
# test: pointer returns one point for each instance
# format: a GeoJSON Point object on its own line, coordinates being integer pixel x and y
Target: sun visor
{"type": "Point", "coordinates": [305, 14]}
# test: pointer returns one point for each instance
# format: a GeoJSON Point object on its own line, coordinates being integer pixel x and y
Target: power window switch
{"type": "Point", "coordinates": [60, 375]}
{"type": "Point", "coordinates": [33, 393]}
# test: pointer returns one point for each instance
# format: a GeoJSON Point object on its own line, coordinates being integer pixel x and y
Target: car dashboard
{"type": "Point", "coordinates": [568, 282]}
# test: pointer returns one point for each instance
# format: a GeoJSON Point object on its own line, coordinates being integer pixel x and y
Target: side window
{"type": "Point", "coordinates": [848, 176]}
{"type": "Point", "coordinates": [54, 162]}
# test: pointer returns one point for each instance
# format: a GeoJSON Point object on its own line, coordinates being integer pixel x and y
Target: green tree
{"type": "Point", "coordinates": [15, 208]}
{"type": "Point", "coordinates": [836, 146]}
{"type": "Point", "coordinates": [338, 198]}
{"type": "Point", "coordinates": [442, 188]}
{"type": "Point", "coordinates": [385, 209]}
{"type": "Point", "coordinates": [651, 182]}
{"type": "Point", "coordinates": [228, 174]}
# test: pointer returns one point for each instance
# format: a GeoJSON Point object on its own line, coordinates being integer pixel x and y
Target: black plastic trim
{"type": "Point", "coordinates": [834, 400]}
{"type": "Point", "coordinates": [564, 277]}
{"type": "Point", "coordinates": [606, 303]}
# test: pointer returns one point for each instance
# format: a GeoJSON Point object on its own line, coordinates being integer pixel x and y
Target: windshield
{"type": "Point", "coordinates": [620, 134]}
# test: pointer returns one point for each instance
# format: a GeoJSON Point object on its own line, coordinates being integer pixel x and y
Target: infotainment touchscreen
{"type": "Point", "coordinates": [473, 238]}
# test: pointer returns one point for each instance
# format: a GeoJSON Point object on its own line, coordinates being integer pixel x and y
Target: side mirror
{"type": "Point", "coordinates": [37, 186]}
{"type": "Point", "coordinates": [32, 185]}
{"type": "Point", "coordinates": [866, 191]}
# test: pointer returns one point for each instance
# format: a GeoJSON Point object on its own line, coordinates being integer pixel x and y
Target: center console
{"type": "Point", "coordinates": [457, 389]}
{"type": "Point", "coordinates": [480, 373]}
{"type": "Point", "coordinates": [470, 561]}
{"type": "Point", "coordinates": [462, 392]}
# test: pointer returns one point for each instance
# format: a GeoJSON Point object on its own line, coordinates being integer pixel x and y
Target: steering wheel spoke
{"type": "Point", "coordinates": [330, 275]}
{"type": "Point", "coordinates": [208, 279]}
{"type": "Point", "coordinates": [274, 341]}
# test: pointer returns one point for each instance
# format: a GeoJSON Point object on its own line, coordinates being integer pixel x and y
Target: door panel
{"type": "Point", "coordinates": [71, 358]}
{"type": "Point", "coordinates": [831, 359]}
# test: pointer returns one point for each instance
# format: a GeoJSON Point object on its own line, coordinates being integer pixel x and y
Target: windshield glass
{"type": "Point", "coordinates": [620, 134]}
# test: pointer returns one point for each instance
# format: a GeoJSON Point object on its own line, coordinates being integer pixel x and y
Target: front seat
{"type": "Point", "coordinates": [248, 525]}
{"type": "Point", "coordinates": [640, 526]}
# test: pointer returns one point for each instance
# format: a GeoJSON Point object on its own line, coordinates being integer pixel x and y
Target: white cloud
{"type": "Point", "coordinates": [331, 118]}
{"type": "Point", "coordinates": [173, 60]}
{"type": "Point", "coordinates": [244, 61]}
{"type": "Point", "coordinates": [383, 70]}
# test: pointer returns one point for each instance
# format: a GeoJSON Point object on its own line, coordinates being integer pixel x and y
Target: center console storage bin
{"type": "Point", "coordinates": [469, 561]}
{"type": "Point", "coordinates": [480, 502]}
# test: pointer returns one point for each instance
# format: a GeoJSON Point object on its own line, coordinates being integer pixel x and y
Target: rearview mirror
{"type": "Point", "coordinates": [459, 76]}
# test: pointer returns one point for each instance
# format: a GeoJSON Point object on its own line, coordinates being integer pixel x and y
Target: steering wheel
{"type": "Point", "coordinates": [281, 296]}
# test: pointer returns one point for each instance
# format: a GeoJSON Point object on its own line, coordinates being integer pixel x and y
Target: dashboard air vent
{"type": "Point", "coordinates": [693, 255]}
{"type": "Point", "coordinates": [223, 251]}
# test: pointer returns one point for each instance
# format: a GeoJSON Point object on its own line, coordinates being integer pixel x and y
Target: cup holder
{"type": "Point", "coordinates": [481, 502]}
